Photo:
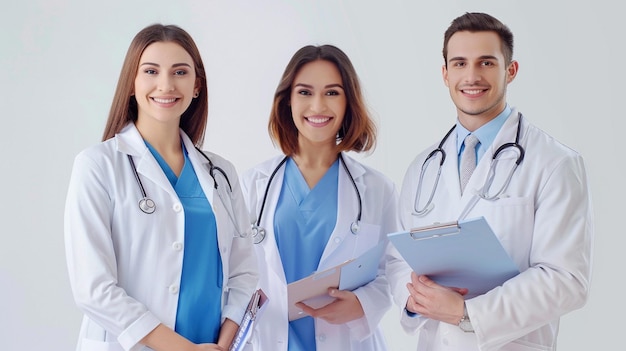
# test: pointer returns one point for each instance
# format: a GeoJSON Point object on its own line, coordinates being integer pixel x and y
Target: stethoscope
{"type": "Point", "coordinates": [147, 205]}
{"type": "Point", "coordinates": [258, 232]}
{"type": "Point", "coordinates": [482, 193]}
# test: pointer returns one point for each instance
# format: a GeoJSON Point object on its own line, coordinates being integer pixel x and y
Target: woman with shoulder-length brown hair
{"type": "Point", "coordinates": [357, 132]}
{"type": "Point", "coordinates": [156, 233]}
{"type": "Point", "coordinates": [317, 207]}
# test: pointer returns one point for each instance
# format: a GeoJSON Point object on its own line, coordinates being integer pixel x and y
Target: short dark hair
{"type": "Point", "coordinates": [358, 131]}
{"type": "Point", "coordinates": [480, 22]}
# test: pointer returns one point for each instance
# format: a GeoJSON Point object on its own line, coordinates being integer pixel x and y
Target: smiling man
{"type": "Point", "coordinates": [532, 190]}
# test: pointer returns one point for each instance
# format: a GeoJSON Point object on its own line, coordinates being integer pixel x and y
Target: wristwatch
{"type": "Point", "coordinates": [465, 324]}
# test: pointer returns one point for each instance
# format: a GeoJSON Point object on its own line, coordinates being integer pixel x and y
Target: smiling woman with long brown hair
{"type": "Point", "coordinates": [158, 246]}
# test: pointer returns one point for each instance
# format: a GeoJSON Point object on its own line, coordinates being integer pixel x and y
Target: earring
{"type": "Point", "coordinates": [341, 133]}
{"type": "Point", "coordinates": [196, 94]}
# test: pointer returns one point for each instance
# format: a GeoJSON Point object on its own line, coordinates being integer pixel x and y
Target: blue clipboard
{"type": "Point", "coordinates": [463, 254]}
{"type": "Point", "coordinates": [349, 275]}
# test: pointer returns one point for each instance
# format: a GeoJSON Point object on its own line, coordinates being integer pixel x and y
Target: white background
{"type": "Point", "coordinates": [60, 61]}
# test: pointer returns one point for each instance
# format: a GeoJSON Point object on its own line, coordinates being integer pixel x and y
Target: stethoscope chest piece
{"type": "Point", "coordinates": [147, 206]}
{"type": "Point", "coordinates": [258, 234]}
{"type": "Point", "coordinates": [354, 227]}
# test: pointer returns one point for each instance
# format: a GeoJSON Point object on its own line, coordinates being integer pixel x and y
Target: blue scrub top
{"type": "Point", "coordinates": [304, 220]}
{"type": "Point", "coordinates": [198, 317]}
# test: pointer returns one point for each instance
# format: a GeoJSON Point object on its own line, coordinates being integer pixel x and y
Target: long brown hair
{"type": "Point", "coordinates": [124, 106]}
{"type": "Point", "coordinates": [358, 131]}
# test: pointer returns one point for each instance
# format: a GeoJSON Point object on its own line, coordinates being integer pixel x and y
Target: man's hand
{"type": "Point", "coordinates": [434, 301]}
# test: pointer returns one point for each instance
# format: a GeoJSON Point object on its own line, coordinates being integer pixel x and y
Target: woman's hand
{"type": "Point", "coordinates": [345, 308]}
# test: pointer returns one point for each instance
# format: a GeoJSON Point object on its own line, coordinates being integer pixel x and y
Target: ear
{"type": "Point", "coordinates": [444, 74]}
{"type": "Point", "coordinates": [197, 87]}
{"type": "Point", "coordinates": [511, 71]}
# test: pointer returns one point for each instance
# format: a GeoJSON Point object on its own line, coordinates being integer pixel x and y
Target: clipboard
{"type": "Point", "coordinates": [349, 275]}
{"type": "Point", "coordinates": [462, 254]}
{"type": "Point", "coordinates": [255, 306]}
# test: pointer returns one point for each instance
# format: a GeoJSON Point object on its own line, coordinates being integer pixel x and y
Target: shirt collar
{"type": "Point", "coordinates": [486, 133]}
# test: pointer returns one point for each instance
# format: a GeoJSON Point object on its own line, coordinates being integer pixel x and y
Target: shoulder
{"type": "Point", "coordinates": [98, 154]}
{"type": "Point", "coordinates": [370, 174]}
{"type": "Point", "coordinates": [264, 169]}
{"type": "Point", "coordinates": [538, 142]}
{"type": "Point", "coordinates": [219, 161]}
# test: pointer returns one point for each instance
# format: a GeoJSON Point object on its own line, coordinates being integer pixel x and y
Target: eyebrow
{"type": "Point", "coordinates": [334, 85]}
{"type": "Point", "coordinates": [483, 57]}
{"type": "Point", "coordinates": [157, 65]}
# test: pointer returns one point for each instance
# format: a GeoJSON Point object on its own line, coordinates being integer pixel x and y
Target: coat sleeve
{"type": "Point", "coordinates": [91, 258]}
{"type": "Point", "coordinates": [243, 271]}
{"type": "Point", "coordinates": [558, 278]}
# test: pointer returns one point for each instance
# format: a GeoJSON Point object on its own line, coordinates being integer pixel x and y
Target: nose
{"type": "Point", "coordinates": [473, 75]}
{"type": "Point", "coordinates": [165, 83]}
{"type": "Point", "coordinates": [318, 104]}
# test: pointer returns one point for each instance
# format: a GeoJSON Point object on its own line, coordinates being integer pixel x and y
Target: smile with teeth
{"type": "Point", "coordinates": [473, 91]}
{"type": "Point", "coordinates": [164, 101]}
{"type": "Point", "coordinates": [318, 119]}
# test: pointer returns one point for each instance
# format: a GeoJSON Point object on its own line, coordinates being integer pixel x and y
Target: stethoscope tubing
{"type": "Point", "coordinates": [148, 206]}
{"type": "Point", "coordinates": [258, 232]}
{"type": "Point", "coordinates": [267, 189]}
{"type": "Point", "coordinates": [483, 193]}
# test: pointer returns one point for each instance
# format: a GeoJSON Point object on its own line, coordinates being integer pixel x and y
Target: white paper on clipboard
{"type": "Point", "coordinates": [463, 254]}
{"type": "Point", "coordinates": [349, 275]}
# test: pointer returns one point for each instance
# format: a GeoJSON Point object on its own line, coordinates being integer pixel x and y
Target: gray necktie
{"type": "Point", "coordinates": [468, 160]}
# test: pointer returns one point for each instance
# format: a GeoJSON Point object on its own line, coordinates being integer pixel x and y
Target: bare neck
{"type": "Point", "coordinates": [314, 163]}
{"type": "Point", "coordinates": [166, 141]}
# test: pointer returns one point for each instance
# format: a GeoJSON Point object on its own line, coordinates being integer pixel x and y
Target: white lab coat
{"type": "Point", "coordinates": [124, 265]}
{"type": "Point", "coordinates": [379, 199]}
{"type": "Point", "coordinates": [544, 221]}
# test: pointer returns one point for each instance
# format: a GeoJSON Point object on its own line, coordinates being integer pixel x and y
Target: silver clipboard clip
{"type": "Point", "coordinates": [435, 231]}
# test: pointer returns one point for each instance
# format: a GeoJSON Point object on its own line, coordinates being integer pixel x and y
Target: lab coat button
{"type": "Point", "coordinates": [321, 338]}
{"type": "Point", "coordinates": [177, 207]}
{"type": "Point", "coordinates": [173, 289]}
{"type": "Point", "coordinates": [337, 240]}
{"type": "Point", "coordinates": [177, 246]}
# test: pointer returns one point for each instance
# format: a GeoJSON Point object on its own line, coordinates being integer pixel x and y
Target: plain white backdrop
{"type": "Point", "coordinates": [60, 61]}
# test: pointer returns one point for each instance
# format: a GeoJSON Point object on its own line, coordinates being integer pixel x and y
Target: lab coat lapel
{"type": "Point", "coordinates": [347, 208]}
{"type": "Point", "coordinates": [272, 255]}
{"type": "Point", "coordinates": [505, 135]}
{"type": "Point", "coordinates": [202, 168]}
{"type": "Point", "coordinates": [130, 142]}
{"type": "Point", "coordinates": [450, 171]}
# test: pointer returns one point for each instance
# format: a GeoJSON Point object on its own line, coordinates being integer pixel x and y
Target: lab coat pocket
{"type": "Point", "coordinates": [512, 220]}
{"type": "Point", "coordinates": [508, 212]}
